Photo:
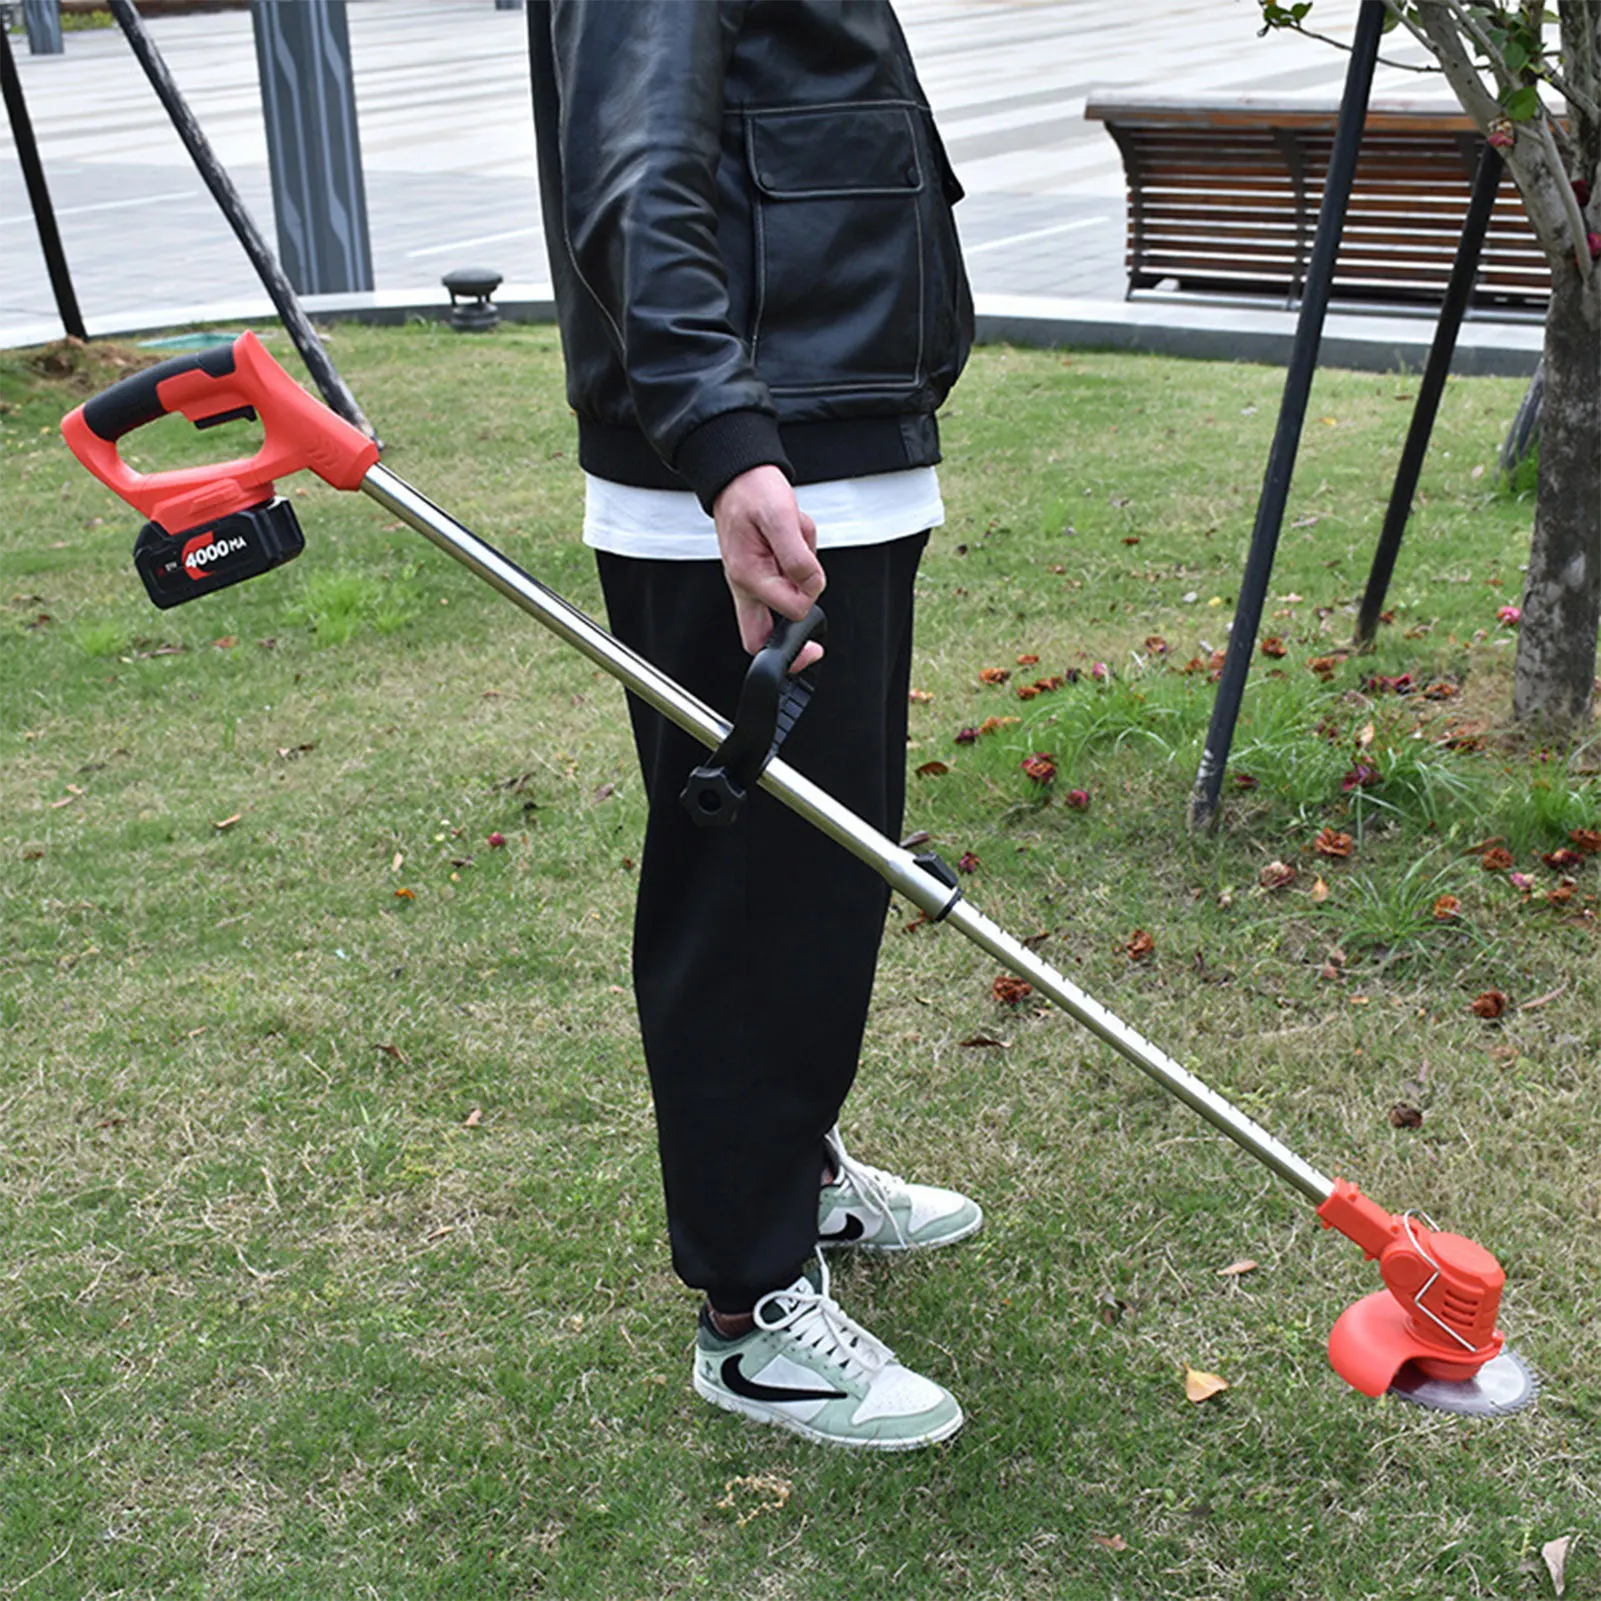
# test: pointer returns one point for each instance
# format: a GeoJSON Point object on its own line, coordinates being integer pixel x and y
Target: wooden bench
{"type": "Point", "coordinates": [1223, 198]}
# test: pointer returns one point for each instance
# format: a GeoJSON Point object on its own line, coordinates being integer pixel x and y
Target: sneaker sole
{"type": "Point", "coordinates": [754, 1413]}
{"type": "Point", "coordinates": [869, 1247]}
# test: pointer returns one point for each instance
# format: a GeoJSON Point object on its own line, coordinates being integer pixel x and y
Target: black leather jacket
{"type": "Point", "coordinates": [748, 212]}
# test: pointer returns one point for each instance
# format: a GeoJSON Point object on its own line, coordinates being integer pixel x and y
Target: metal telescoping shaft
{"type": "Point", "coordinates": [897, 866]}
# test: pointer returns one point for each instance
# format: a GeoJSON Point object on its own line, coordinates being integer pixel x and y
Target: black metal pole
{"type": "Point", "coordinates": [1292, 415]}
{"type": "Point", "coordinates": [1486, 180]}
{"type": "Point", "coordinates": [323, 372]}
{"type": "Point", "coordinates": [44, 216]}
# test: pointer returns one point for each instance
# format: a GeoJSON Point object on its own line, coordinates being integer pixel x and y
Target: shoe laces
{"type": "Point", "coordinates": [873, 1184]}
{"type": "Point", "coordinates": [813, 1318]}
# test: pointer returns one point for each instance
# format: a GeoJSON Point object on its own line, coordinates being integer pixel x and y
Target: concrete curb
{"type": "Point", "coordinates": [1366, 342]}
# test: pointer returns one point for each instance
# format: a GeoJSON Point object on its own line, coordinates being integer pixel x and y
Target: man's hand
{"type": "Point", "coordinates": [769, 548]}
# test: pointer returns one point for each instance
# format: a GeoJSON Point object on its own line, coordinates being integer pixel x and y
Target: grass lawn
{"type": "Point", "coordinates": [331, 1244]}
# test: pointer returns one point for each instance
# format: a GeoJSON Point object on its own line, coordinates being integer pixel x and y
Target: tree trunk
{"type": "Point", "coordinates": [1554, 679]}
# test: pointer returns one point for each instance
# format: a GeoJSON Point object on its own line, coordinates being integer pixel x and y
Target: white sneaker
{"type": "Point", "coordinates": [808, 1368]}
{"type": "Point", "coordinates": [876, 1211]}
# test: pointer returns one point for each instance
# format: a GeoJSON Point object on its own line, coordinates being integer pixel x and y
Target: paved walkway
{"type": "Point", "coordinates": [447, 143]}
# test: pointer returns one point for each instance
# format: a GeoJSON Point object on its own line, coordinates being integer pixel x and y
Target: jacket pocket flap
{"type": "Point", "coordinates": [816, 151]}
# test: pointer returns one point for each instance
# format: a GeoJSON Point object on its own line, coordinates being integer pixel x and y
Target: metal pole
{"type": "Point", "coordinates": [308, 103]}
{"type": "Point", "coordinates": [1486, 180]}
{"type": "Point", "coordinates": [1292, 414]}
{"type": "Point", "coordinates": [42, 19]}
{"type": "Point", "coordinates": [333, 387]}
{"type": "Point", "coordinates": [44, 215]}
{"type": "Point", "coordinates": [896, 865]}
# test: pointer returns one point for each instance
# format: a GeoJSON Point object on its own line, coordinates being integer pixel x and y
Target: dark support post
{"type": "Point", "coordinates": [1292, 415]}
{"type": "Point", "coordinates": [42, 19]}
{"type": "Point", "coordinates": [308, 100]}
{"type": "Point", "coordinates": [1486, 180]}
{"type": "Point", "coordinates": [323, 371]}
{"type": "Point", "coordinates": [44, 216]}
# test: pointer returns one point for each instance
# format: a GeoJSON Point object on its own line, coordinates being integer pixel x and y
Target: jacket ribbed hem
{"type": "Point", "coordinates": [809, 452]}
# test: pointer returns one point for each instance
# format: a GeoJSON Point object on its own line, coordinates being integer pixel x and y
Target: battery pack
{"type": "Point", "coordinates": [180, 567]}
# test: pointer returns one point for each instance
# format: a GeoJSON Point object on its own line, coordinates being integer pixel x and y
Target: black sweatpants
{"type": "Point", "coordinates": [755, 946]}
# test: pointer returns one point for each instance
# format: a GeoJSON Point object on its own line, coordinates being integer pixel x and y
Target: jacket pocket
{"type": "Point", "coordinates": [840, 253]}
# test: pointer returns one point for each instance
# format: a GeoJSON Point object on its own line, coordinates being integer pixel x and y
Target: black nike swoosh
{"type": "Point", "coordinates": [853, 1230]}
{"type": "Point", "coordinates": [734, 1378]}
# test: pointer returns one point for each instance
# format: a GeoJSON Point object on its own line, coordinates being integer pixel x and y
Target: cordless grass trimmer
{"type": "Point", "coordinates": [1428, 1336]}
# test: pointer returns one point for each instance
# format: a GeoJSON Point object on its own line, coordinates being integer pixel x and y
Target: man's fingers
{"type": "Point", "coordinates": [755, 621]}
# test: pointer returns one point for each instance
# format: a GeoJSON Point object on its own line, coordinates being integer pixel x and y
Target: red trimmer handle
{"type": "Point", "coordinates": [209, 387]}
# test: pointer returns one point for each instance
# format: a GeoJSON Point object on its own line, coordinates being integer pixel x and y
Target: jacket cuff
{"type": "Point", "coordinates": [727, 445]}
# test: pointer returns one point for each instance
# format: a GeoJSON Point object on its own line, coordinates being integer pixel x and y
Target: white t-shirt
{"type": "Point", "coordinates": [668, 524]}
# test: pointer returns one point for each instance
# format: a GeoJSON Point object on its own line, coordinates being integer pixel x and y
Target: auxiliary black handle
{"type": "Point", "coordinates": [769, 703]}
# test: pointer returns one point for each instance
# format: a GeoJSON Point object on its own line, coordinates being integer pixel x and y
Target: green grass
{"type": "Point", "coordinates": [331, 1257]}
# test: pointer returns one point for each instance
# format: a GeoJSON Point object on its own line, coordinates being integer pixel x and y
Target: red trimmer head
{"type": "Point", "coordinates": [1429, 1336]}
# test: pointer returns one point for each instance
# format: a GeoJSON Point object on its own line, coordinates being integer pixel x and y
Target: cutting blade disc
{"type": "Point", "coordinates": [1504, 1385]}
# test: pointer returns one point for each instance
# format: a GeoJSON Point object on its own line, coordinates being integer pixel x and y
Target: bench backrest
{"type": "Point", "coordinates": [1224, 197]}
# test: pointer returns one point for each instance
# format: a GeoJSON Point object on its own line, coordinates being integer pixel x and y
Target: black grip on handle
{"type": "Point", "coordinates": [770, 701]}
{"type": "Point", "coordinates": [131, 402]}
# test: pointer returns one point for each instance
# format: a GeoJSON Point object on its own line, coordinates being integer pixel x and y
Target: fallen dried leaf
{"type": "Point", "coordinates": [1488, 1004]}
{"type": "Point", "coordinates": [1199, 1386]}
{"type": "Point", "coordinates": [994, 675]}
{"type": "Point", "coordinates": [1330, 842]}
{"type": "Point", "coordinates": [1587, 839]}
{"type": "Point", "coordinates": [1404, 1115]}
{"type": "Point", "coordinates": [1447, 909]}
{"type": "Point", "coordinates": [395, 1052]}
{"type": "Point", "coordinates": [473, 1118]}
{"type": "Point", "coordinates": [1276, 875]}
{"type": "Point", "coordinates": [404, 894]}
{"type": "Point", "coordinates": [1010, 991]}
{"type": "Point", "coordinates": [1497, 859]}
{"type": "Point", "coordinates": [228, 822]}
{"type": "Point", "coordinates": [919, 697]}
{"type": "Point", "coordinates": [1555, 1553]}
{"type": "Point", "coordinates": [1111, 1542]}
{"type": "Point", "coordinates": [1028, 660]}
{"type": "Point", "coordinates": [1274, 646]}
{"type": "Point", "coordinates": [1140, 945]}
{"type": "Point", "coordinates": [933, 770]}
{"type": "Point", "coordinates": [984, 1042]}
{"type": "Point", "coordinates": [1320, 891]}
{"type": "Point", "coordinates": [1235, 1269]}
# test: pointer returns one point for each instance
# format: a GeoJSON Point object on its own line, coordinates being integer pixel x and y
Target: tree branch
{"type": "Point", "coordinates": [1342, 44]}
{"type": "Point", "coordinates": [1439, 33]}
{"type": "Point", "coordinates": [1581, 244]}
